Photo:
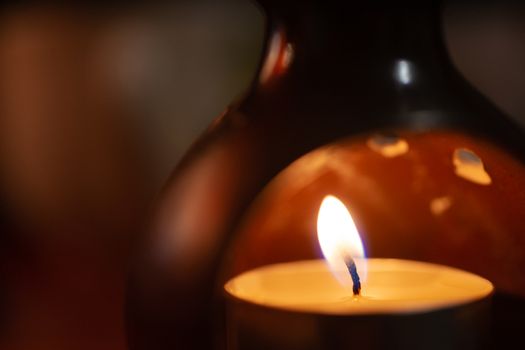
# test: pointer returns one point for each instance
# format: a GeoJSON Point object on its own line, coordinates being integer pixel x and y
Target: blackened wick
{"type": "Point", "coordinates": [350, 264]}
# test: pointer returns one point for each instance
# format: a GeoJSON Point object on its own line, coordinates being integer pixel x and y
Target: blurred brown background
{"type": "Point", "coordinates": [98, 103]}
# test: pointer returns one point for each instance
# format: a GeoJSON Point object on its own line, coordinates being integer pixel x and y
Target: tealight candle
{"type": "Point", "coordinates": [315, 304]}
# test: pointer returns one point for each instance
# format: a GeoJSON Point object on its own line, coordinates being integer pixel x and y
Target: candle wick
{"type": "Point", "coordinates": [352, 269]}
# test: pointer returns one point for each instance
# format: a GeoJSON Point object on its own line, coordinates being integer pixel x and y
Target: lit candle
{"type": "Point", "coordinates": [345, 300]}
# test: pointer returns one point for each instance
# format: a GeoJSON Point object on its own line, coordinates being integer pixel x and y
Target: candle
{"type": "Point", "coordinates": [316, 304]}
{"type": "Point", "coordinates": [393, 286]}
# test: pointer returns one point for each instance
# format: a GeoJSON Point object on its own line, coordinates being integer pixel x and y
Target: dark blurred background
{"type": "Point", "coordinates": [98, 103]}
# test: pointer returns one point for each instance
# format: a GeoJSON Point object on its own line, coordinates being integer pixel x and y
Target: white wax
{"type": "Point", "coordinates": [392, 286]}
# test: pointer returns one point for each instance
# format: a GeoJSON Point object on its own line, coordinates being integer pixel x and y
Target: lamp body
{"type": "Point", "coordinates": [339, 82]}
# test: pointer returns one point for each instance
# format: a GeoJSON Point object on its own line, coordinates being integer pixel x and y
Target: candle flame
{"type": "Point", "coordinates": [339, 239]}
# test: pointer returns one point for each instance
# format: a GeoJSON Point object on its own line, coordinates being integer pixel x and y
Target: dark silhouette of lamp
{"type": "Point", "coordinates": [353, 98]}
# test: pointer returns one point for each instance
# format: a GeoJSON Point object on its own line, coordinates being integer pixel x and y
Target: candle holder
{"type": "Point", "coordinates": [353, 99]}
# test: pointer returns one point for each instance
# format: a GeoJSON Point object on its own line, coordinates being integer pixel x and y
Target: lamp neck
{"type": "Point", "coordinates": [343, 34]}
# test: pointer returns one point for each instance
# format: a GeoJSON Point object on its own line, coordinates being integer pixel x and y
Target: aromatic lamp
{"type": "Point", "coordinates": [357, 128]}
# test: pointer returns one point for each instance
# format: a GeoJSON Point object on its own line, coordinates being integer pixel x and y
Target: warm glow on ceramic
{"type": "Point", "coordinates": [339, 239]}
{"type": "Point", "coordinates": [392, 286]}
